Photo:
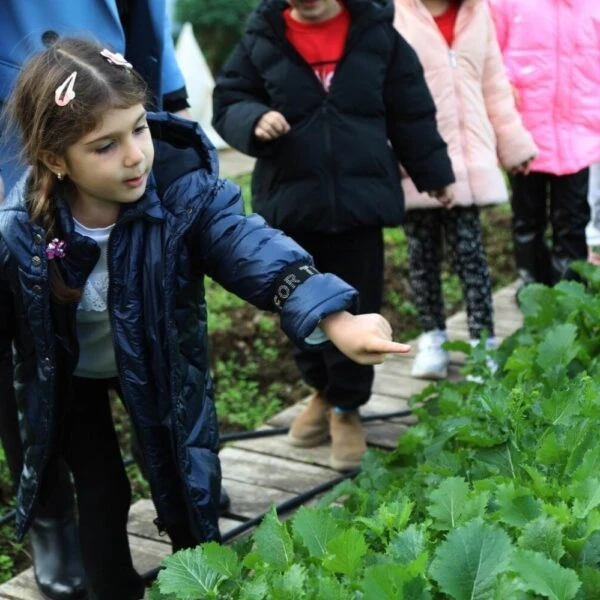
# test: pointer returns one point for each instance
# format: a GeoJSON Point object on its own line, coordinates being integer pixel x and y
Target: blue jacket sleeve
{"type": "Point", "coordinates": [264, 266]}
{"type": "Point", "coordinates": [171, 76]}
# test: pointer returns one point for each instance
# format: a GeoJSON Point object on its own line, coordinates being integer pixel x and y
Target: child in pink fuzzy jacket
{"type": "Point", "coordinates": [551, 51]}
{"type": "Point", "coordinates": [477, 118]}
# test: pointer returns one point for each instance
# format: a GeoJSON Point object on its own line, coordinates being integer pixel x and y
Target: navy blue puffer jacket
{"type": "Point", "coordinates": [188, 223]}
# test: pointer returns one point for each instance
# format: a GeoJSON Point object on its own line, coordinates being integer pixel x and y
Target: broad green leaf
{"type": "Point", "coordinates": [544, 576]}
{"type": "Point", "coordinates": [273, 543]}
{"type": "Point", "coordinates": [222, 559]}
{"type": "Point", "coordinates": [255, 589]}
{"type": "Point", "coordinates": [467, 563]}
{"type": "Point", "coordinates": [289, 584]}
{"type": "Point", "coordinates": [417, 589]}
{"type": "Point", "coordinates": [448, 502]}
{"type": "Point", "coordinates": [407, 545]}
{"type": "Point", "coordinates": [559, 407]}
{"type": "Point", "coordinates": [551, 450]}
{"type": "Point", "coordinates": [539, 485]}
{"type": "Point", "coordinates": [383, 582]}
{"type": "Point", "coordinates": [587, 497]}
{"type": "Point", "coordinates": [559, 347]}
{"type": "Point", "coordinates": [515, 506]}
{"type": "Point", "coordinates": [508, 588]}
{"type": "Point", "coordinates": [590, 555]}
{"type": "Point", "coordinates": [345, 552]}
{"type": "Point", "coordinates": [188, 577]}
{"type": "Point", "coordinates": [315, 527]}
{"type": "Point", "coordinates": [155, 594]}
{"type": "Point", "coordinates": [328, 588]}
{"type": "Point", "coordinates": [589, 465]}
{"type": "Point", "coordinates": [543, 535]}
{"type": "Point", "coordinates": [520, 361]}
{"type": "Point", "coordinates": [502, 459]}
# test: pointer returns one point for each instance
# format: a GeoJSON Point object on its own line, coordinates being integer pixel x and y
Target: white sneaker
{"type": "Point", "coordinates": [431, 361]}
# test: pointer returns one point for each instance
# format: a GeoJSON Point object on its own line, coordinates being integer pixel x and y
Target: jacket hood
{"type": "Point", "coordinates": [267, 17]}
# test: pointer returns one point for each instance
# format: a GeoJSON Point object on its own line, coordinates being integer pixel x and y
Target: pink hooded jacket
{"type": "Point", "coordinates": [552, 55]}
{"type": "Point", "coordinates": [476, 112]}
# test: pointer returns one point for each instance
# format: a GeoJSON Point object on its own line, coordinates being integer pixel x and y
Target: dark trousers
{"type": "Point", "coordinates": [568, 213]}
{"type": "Point", "coordinates": [461, 227]}
{"type": "Point", "coordinates": [90, 448]}
{"type": "Point", "coordinates": [357, 257]}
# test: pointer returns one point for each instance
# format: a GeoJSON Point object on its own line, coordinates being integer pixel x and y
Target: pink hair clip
{"type": "Point", "coordinates": [64, 92]}
{"type": "Point", "coordinates": [56, 249]}
{"type": "Point", "coordinates": [114, 58]}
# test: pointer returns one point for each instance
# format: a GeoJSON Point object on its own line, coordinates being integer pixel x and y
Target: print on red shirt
{"type": "Point", "coordinates": [321, 45]}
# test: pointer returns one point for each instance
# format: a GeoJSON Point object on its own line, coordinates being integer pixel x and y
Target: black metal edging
{"type": "Point", "coordinates": [280, 509]}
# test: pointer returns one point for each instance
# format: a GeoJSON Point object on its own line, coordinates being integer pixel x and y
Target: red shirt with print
{"type": "Point", "coordinates": [446, 22]}
{"type": "Point", "coordinates": [321, 45]}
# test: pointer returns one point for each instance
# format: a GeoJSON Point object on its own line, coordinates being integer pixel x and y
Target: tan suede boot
{"type": "Point", "coordinates": [348, 440]}
{"type": "Point", "coordinates": [311, 426]}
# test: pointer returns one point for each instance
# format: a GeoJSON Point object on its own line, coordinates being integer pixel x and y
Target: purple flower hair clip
{"type": "Point", "coordinates": [56, 249]}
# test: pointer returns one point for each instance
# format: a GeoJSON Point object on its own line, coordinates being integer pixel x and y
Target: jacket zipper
{"type": "Point", "coordinates": [294, 55]}
{"type": "Point", "coordinates": [331, 162]}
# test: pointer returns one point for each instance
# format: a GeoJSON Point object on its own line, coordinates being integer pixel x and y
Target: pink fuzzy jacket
{"type": "Point", "coordinates": [476, 110]}
{"type": "Point", "coordinates": [551, 50]}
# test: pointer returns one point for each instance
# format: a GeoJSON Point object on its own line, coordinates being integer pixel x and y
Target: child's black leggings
{"type": "Point", "coordinates": [561, 200]}
{"type": "Point", "coordinates": [91, 450]}
{"type": "Point", "coordinates": [461, 227]}
{"type": "Point", "coordinates": [357, 257]}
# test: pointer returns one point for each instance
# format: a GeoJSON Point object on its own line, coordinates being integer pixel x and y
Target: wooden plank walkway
{"type": "Point", "coordinates": [258, 473]}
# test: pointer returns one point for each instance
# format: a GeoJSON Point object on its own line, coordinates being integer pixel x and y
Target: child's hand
{"type": "Point", "coordinates": [523, 168]}
{"type": "Point", "coordinates": [271, 126]}
{"type": "Point", "coordinates": [366, 339]}
{"type": "Point", "coordinates": [445, 196]}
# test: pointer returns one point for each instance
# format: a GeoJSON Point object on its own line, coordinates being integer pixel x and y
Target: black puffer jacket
{"type": "Point", "coordinates": [335, 170]}
{"type": "Point", "coordinates": [188, 223]}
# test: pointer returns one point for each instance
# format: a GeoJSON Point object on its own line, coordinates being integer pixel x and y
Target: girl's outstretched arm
{"type": "Point", "coordinates": [365, 339]}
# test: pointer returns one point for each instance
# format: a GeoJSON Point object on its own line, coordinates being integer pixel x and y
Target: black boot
{"type": "Point", "coordinates": [57, 561]}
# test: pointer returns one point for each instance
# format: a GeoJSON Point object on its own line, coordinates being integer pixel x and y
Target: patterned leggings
{"type": "Point", "coordinates": [462, 229]}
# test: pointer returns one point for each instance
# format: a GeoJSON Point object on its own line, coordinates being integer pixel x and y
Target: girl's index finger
{"type": "Point", "coordinates": [388, 347]}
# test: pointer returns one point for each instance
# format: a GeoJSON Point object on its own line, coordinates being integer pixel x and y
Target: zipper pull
{"type": "Point", "coordinates": [452, 57]}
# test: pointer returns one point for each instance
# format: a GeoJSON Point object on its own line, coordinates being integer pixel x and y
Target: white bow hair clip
{"type": "Point", "coordinates": [114, 58]}
{"type": "Point", "coordinates": [65, 92]}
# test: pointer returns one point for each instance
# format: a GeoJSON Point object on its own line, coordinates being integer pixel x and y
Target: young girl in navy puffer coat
{"type": "Point", "coordinates": [103, 249]}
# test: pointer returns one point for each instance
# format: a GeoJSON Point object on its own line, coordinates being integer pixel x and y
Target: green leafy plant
{"type": "Point", "coordinates": [494, 494]}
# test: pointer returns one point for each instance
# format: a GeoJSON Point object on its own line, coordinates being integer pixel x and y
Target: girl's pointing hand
{"type": "Point", "coordinates": [366, 339]}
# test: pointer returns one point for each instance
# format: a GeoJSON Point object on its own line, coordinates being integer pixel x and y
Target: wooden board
{"type": "Point", "coordinates": [271, 471]}
{"type": "Point", "coordinates": [249, 500]}
{"type": "Point", "coordinates": [142, 515]}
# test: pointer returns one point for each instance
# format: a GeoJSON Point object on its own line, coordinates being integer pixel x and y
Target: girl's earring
{"type": "Point", "coordinates": [60, 176]}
